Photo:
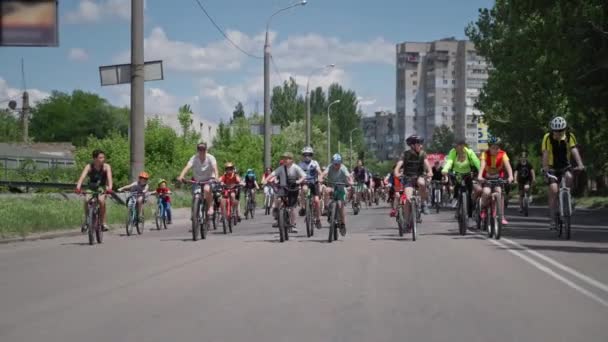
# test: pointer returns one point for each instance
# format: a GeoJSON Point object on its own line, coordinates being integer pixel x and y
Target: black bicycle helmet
{"type": "Point", "coordinates": [414, 139]}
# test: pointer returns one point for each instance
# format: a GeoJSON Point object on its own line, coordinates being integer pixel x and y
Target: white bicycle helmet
{"type": "Point", "coordinates": [558, 124]}
{"type": "Point", "coordinates": [307, 150]}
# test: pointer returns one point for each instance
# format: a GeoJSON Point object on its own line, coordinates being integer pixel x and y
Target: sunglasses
{"type": "Point", "coordinates": [559, 131]}
{"type": "Point", "coordinates": [307, 155]}
{"type": "Point", "coordinates": [229, 169]}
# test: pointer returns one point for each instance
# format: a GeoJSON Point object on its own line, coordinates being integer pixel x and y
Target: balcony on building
{"type": "Point", "coordinates": [412, 57]}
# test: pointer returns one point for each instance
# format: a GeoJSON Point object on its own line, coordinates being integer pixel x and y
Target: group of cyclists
{"type": "Point", "coordinates": [293, 180]}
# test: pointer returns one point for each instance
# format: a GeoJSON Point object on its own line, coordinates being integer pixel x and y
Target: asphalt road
{"type": "Point", "coordinates": [370, 286]}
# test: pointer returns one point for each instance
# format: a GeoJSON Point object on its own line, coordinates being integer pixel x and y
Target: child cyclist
{"type": "Point", "coordinates": [231, 178]}
{"type": "Point", "coordinates": [140, 189]}
{"type": "Point", "coordinates": [163, 192]}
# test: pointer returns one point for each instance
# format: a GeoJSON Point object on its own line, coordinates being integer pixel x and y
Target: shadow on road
{"type": "Point", "coordinates": [75, 244]}
{"type": "Point", "coordinates": [179, 239]}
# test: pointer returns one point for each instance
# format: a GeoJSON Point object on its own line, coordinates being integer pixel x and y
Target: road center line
{"type": "Point", "coordinates": [548, 271]}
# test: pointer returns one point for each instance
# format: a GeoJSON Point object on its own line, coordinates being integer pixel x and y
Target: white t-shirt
{"type": "Point", "coordinates": [293, 174]}
{"type": "Point", "coordinates": [203, 170]}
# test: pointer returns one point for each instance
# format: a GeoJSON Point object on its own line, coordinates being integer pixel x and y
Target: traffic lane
{"type": "Point", "coordinates": [372, 285]}
{"type": "Point", "coordinates": [586, 251]}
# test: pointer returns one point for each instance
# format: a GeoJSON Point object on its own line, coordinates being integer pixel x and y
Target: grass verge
{"type": "Point", "coordinates": [22, 216]}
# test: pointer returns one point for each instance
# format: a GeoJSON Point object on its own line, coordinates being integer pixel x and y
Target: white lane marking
{"type": "Point", "coordinates": [550, 272]}
{"type": "Point", "coordinates": [587, 279]}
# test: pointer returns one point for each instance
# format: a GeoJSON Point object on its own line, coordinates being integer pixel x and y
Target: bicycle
{"type": "Point", "coordinates": [357, 193]}
{"type": "Point", "coordinates": [249, 204]}
{"type": "Point", "coordinates": [563, 216]}
{"type": "Point", "coordinates": [309, 215]}
{"type": "Point", "coordinates": [463, 197]}
{"type": "Point", "coordinates": [333, 216]}
{"type": "Point", "coordinates": [525, 201]}
{"type": "Point", "coordinates": [494, 223]}
{"type": "Point", "coordinates": [215, 219]}
{"type": "Point", "coordinates": [134, 218]}
{"type": "Point", "coordinates": [283, 217]}
{"type": "Point", "coordinates": [200, 219]}
{"type": "Point", "coordinates": [160, 214]}
{"type": "Point", "coordinates": [268, 199]}
{"type": "Point", "coordinates": [415, 216]}
{"type": "Point", "coordinates": [93, 223]}
{"type": "Point", "coordinates": [229, 217]}
{"type": "Point", "coordinates": [436, 188]}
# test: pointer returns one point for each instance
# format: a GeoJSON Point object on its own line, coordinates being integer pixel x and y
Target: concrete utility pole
{"type": "Point", "coordinates": [25, 114]}
{"type": "Point", "coordinates": [267, 123]}
{"type": "Point", "coordinates": [137, 88]}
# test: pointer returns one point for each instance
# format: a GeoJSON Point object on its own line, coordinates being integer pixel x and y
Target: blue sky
{"type": "Point", "coordinates": [202, 69]}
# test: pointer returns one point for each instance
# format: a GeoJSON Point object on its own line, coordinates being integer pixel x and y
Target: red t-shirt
{"type": "Point", "coordinates": [226, 179]}
{"type": "Point", "coordinates": [164, 191]}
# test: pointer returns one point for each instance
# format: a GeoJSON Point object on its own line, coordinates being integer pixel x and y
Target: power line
{"type": "Point", "coordinates": [276, 70]}
{"type": "Point", "coordinates": [223, 33]}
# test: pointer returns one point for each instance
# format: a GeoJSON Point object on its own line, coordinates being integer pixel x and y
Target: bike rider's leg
{"type": "Point", "coordinates": [102, 211]}
{"type": "Point", "coordinates": [409, 193]}
{"type": "Point", "coordinates": [235, 203]}
{"type": "Point", "coordinates": [552, 198]}
{"type": "Point", "coordinates": [485, 199]}
{"type": "Point", "coordinates": [140, 208]}
{"type": "Point", "coordinates": [502, 205]}
{"type": "Point", "coordinates": [302, 199]}
{"type": "Point", "coordinates": [223, 206]}
{"type": "Point", "coordinates": [208, 196]}
{"type": "Point", "coordinates": [167, 207]}
{"type": "Point", "coordinates": [424, 194]}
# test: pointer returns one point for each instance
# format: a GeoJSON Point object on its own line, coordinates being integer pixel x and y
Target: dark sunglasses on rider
{"type": "Point", "coordinates": [559, 131]}
{"type": "Point", "coordinates": [307, 154]}
{"type": "Point", "coordinates": [229, 169]}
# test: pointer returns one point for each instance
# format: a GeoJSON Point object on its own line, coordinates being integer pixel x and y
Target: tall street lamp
{"type": "Point", "coordinates": [329, 132]}
{"type": "Point", "coordinates": [267, 125]}
{"type": "Point", "coordinates": [308, 119]}
{"type": "Point", "coordinates": [351, 145]}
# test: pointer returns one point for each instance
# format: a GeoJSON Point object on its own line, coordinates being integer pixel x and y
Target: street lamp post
{"type": "Point", "coordinates": [329, 132]}
{"type": "Point", "coordinates": [351, 145]}
{"type": "Point", "coordinates": [308, 116]}
{"type": "Point", "coordinates": [267, 124]}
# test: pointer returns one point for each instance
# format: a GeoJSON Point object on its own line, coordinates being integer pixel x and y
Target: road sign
{"type": "Point", "coordinates": [121, 73]}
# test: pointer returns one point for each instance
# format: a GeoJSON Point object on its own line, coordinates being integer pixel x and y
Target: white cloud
{"type": "Point", "coordinates": [189, 57]}
{"type": "Point", "coordinates": [91, 11]}
{"type": "Point", "coordinates": [6, 93]}
{"type": "Point", "coordinates": [78, 55]}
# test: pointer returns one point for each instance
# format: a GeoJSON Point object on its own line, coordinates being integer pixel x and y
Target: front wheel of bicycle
{"type": "Point", "coordinates": [463, 214]}
{"type": "Point", "coordinates": [196, 218]}
{"type": "Point", "coordinates": [92, 222]}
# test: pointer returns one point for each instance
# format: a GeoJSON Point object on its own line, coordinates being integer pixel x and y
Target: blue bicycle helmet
{"type": "Point", "coordinates": [493, 140]}
{"type": "Point", "coordinates": [336, 159]}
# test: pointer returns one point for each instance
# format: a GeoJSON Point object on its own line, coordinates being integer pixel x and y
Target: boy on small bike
{"type": "Point", "coordinates": [228, 179]}
{"type": "Point", "coordinates": [139, 189]}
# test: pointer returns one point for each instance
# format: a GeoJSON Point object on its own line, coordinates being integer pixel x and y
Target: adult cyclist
{"type": "Point", "coordinates": [359, 174]}
{"type": "Point", "coordinates": [337, 173]}
{"type": "Point", "coordinates": [251, 184]}
{"type": "Point", "coordinates": [559, 148]}
{"type": "Point", "coordinates": [415, 167]}
{"type": "Point", "coordinates": [524, 177]}
{"type": "Point", "coordinates": [463, 161]}
{"type": "Point", "coordinates": [204, 169]}
{"type": "Point", "coordinates": [494, 163]}
{"type": "Point", "coordinates": [312, 169]}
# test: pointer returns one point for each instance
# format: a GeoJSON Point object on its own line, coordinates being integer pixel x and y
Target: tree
{"type": "Point", "coordinates": [74, 117]}
{"type": "Point", "coordinates": [318, 103]}
{"type": "Point", "coordinates": [10, 127]}
{"type": "Point", "coordinates": [185, 118]}
{"type": "Point", "coordinates": [443, 140]}
{"type": "Point", "coordinates": [238, 112]}
{"type": "Point", "coordinates": [286, 104]}
{"type": "Point", "coordinates": [548, 58]}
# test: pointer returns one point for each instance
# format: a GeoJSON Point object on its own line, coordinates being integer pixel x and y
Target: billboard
{"type": "Point", "coordinates": [29, 23]}
{"type": "Point", "coordinates": [482, 136]}
{"type": "Point", "coordinates": [121, 73]}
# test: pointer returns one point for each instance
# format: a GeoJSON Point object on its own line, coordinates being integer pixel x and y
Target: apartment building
{"type": "Point", "coordinates": [437, 84]}
{"type": "Point", "coordinates": [381, 136]}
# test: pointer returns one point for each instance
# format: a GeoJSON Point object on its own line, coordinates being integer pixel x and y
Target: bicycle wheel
{"type": "Point", "coordinates": [333, 215]}
{"type": "Point", "coordinates": [282, 223]}
{"type": "Point", "coordinates": [414, 218]}
{"type": "Point", "coordinates": [130, 220]}
{"type": "Point", "coordinates": [477, 213]}
{"type": "Point", "coordinates": [463, 214]}
{"type": "Point", "coordinates": [498, 218]}
{"type": "Point", "coordinates": [204, 222]}
{"type": "Point", "coordinates": [158, 218]}
{"type": "Point", "coordinates": [526, 205]}
{"type": "Point", "coordinates": [401, 220]}
{"type": "Point", "coordinates": [566, 214]}
{"type": "Point", "coordinates": [252, 209]}
{"type": "Point", "coordinates": [92, 223]}
{"type": "Point", "coordinates": [196, 218]}
{"type": "Point", "coordinates": [308, 219]}
{"type": "Point", "coordinates": [98, 229]}
{"type": "Point", "coordinates": [490, 222]}
{"type": "Point", "coordinates": [140, 224]}
{"type": "Point", "coordinates": [232, 223]}
{"type": "Point", "coordinates": [287, 225]}
{"type": "Point", "coordinates": [437, 200]}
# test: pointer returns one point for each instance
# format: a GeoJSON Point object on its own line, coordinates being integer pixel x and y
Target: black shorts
{"type": "Point", "coordinates": [521, 183]}
{"type": "Point", "coordinates": [291, 193]}
{"type": "Point", "coordinates": [314, 189]}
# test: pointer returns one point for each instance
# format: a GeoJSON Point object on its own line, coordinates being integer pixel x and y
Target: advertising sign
{"type": "Point", "coordinates": [29, 23]}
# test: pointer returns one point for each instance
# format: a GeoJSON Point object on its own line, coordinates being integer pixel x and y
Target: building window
{"type": "Point", "coordinates": [445, 109]}
{"type": "Point", "coordinates": [453, 81]}
{"type": "Point", "coordinates": [415, 73]}
{"type": "Point", "coordinates": [414, 83]}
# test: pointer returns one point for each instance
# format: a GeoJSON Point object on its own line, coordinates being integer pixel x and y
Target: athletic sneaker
{"type": "Point", "coordinates": [343, 229]}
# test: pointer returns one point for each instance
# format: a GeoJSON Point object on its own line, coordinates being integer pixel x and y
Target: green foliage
{"type": "Point", "coordinates": [443, 140]}
{"type": "Point", "coordinates": [10, 127]}
{"type": "Point", "coordinates": [116, 148]}
{"type": "Point", "coordinates": [184, 117]}
{"type": "Point", "coordinates": [548, 58]}
{"type": "Point", "coordinates": [286, 104]}
{"type": "Point", "coordinates": [238, 112]}
{"type": "Point", "coordinates": [74, 117]}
